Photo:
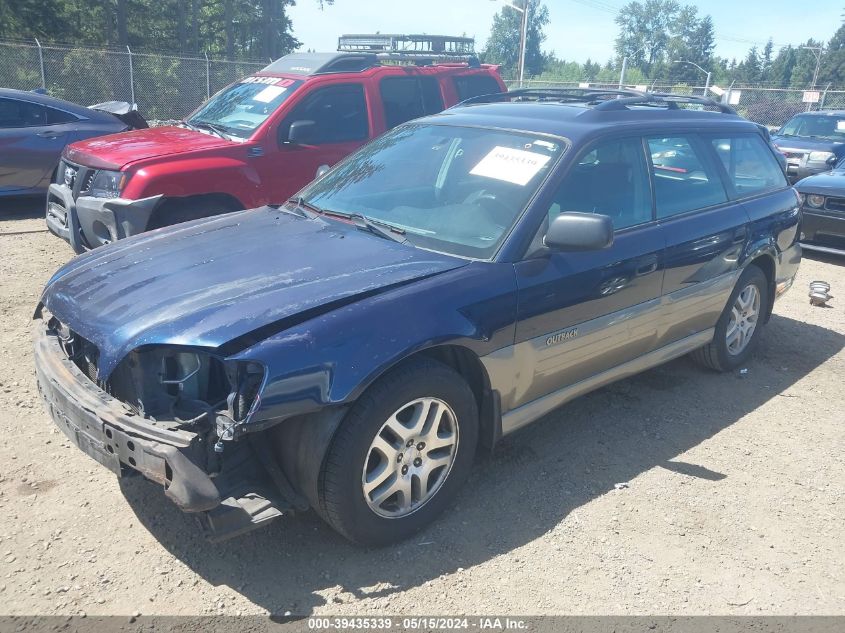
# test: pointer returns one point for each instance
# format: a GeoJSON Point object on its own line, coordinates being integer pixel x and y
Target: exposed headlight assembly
{"type": "Point", "coordinates": [107, 184]}
{"type": "Point", "coordinates": [816, 201]}
{"type": "Point", "coordinates": [821, 157]}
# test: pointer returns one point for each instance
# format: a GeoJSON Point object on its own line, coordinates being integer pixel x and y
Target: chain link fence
{"type": "Point", "coordinates": [163, 86]}
{"type": "Point", "coordinates": [769, 106]}
{"type": "Point", "coordinates": [170, 87]}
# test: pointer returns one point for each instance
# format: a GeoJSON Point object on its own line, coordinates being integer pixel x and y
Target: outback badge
{"type": "Point", "coordinates": [560, 337]}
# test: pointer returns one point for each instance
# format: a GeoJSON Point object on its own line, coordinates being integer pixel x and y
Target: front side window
{"type": "Point", "coordinates": [450, 189]}
{"type": "Point", "coordinates": [683, 178]}
{"type": "Point", "coordinates": [407, 98]}
{"type": "Point", "coordinates": [815, 126]}
{"type": "Point", "coordinates": [339, 113]}
{"type": "Point", "coordinates": [239, 109]}
{"type": "Point", "coordinates": [611, 179]}
{"type": "Point", "coordinates": [750, 165]}
{"type": "Point", "coordinates": [14, 113]}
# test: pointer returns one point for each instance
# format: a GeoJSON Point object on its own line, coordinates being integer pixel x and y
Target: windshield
{"type": "Point", "coordinates": [239, 109]}
{"type": "Point", "coordinates": [451, 189]}
{"type": "Point", "coordinates": [825, 126]}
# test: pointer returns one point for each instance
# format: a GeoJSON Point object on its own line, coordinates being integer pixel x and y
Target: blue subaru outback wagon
{"type": "Point", "coordinates": [449, 283]}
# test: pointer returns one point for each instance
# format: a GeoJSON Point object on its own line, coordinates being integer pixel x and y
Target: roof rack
{"type": "Point", "coordinates": [445, 45]}
{"type": "Point", "coordinates": [599, 98]}
{"type": "Point", "coordinates": [422, 49]}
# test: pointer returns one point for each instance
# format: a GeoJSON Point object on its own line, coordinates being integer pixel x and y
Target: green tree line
{"type": "Point", "coordinates": [234, 29]}
{"type": "Point", "coordinates": [655, 35]}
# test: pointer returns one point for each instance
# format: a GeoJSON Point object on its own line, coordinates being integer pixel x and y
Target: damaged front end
{"type": "Point", "coordinates": [172, 414]}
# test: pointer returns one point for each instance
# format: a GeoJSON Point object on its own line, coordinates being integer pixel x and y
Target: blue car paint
{"type": "Point", "coordinates": [207, 283]}
{"type": "Point", "coordinates": [329, 308]}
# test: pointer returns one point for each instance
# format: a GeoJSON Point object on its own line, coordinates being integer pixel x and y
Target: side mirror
{"type": "Point", "coordinates": [574, 231]}
{"type": "Point", "coordinates": [321, 171]}
{"type": "Point", "coordinates": [302, 132]}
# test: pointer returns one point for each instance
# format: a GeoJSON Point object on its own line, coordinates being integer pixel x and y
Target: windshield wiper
{"type": "Point", "coordinates": [190, 126]}
{"type": "Point", "coordinates": [219, 131]}
{"type": "Point", "coordinates": [376, 227]}
{"type": "Point", "coordinates": [305, 208]}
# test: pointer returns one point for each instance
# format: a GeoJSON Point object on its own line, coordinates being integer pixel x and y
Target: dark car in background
{"type": "Point", "coordinates": [813, 142]}
{"type": "Point", "coordinates": [453, 281]}
{"type": "Point", "coordinates": [35, 128]}
{"type": "Point", "coordinates": [823, 206]}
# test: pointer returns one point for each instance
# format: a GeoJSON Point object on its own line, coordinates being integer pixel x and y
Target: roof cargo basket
{"type": "Point", "coordinates": [417, 48]}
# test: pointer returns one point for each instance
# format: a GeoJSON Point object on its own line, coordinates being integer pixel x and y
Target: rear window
{"type": "Point", "coordinates": [750, 164]}
{"type": "Point", "coordinates": [469, 86]}
{"type": "Point", "coordinates": [683, 178]}
{"type": "Point", "coordinates": [407, 98]}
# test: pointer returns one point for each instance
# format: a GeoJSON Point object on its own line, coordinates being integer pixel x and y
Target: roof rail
{"type": "Point", "coordinates": [579, 95]}
{"type": "Point", "coordinates": [600, 99]}
{"type": "Point", "coordinates": [666, 99]}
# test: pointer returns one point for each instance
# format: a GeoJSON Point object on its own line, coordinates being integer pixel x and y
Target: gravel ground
{"type": "Point", "coordinates": [678, 491]}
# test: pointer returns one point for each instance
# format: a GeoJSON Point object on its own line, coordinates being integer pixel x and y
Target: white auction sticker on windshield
{"type": "Point", "coordinates": [268, 94]}
{"type": "Point", "coordinates": [511, 165]}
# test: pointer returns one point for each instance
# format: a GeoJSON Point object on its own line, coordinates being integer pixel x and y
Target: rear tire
{"type": "Point", "coordinates": [400, 454]}
{"type": "Point", "coordinates": [738, 328]}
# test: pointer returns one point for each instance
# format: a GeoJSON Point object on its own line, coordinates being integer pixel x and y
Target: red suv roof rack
{"type": "Point", "coordinates": [421, 49]}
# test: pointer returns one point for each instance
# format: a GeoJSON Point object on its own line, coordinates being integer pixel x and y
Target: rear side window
{"type": "Point", "coordinates": [469, 86]}
{"type": "Point", "coordinates": [684, 179]}
{"type": "Point", "coordinates": [611, 179]}
{"type": "Point", "coordinates": [14, 113]}
{"type": "Point", "coordinates": [750, 165]}
{"type": "Point", "coordinates": [407, 98]}
{"type": "Point", "coordinates": [340, 114]}
{"type": "Point", "coordinates": [54, 117]}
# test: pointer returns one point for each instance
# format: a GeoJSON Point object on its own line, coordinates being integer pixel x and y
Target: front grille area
{"type": "Point", "coordinates": [835, 204]}
{"type": "Point", "coordinates": [77, 177]}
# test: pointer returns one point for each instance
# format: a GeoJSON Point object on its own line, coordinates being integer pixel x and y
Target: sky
{"type": "Point", "coordinates": [578, 29]}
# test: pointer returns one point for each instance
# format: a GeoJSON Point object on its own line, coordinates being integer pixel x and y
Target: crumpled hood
{"type": "Point", "coordinates": [207, 282]}
{"type": "Point", "coordinates": [827, 184]}
{"type": "Point", "coordinates": [114, 151]}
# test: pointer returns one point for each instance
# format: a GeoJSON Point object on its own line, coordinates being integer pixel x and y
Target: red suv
{"type": "Point", "coordinates": [255, 142]}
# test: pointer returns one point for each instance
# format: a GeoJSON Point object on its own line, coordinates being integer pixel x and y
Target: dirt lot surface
{"type": "Point", "coordinates": [678, 491]}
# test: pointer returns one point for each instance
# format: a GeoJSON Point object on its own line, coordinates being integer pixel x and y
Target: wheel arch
{"type": "Point", "coordinates": [765, 261]}
{"type": "Point", "coordinates": [168, 203]}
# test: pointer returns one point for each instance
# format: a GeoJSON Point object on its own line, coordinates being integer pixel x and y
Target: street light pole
{"type": "Point", "coordinates": [523, 33]}
{"type": "Point", "coordinates": [625, 66]}
{"type": "Point", "coordinates": [817, 51]}
{"type": "Point", "coordinates": [706, 72]}
{"type": "Point", "coordinates": [523, 37]}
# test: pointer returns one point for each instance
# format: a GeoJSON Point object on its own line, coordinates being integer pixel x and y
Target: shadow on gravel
{"type": "Point", "coordinates": [533, 481]}
{"type": "Point", "coordinates": [826, 258]}
{"type": "Point", "coordinates": [22, 208]}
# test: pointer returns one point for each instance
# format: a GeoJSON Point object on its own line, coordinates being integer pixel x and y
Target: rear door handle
{"type": "Point", "coordinates": [48, 134]}
{"type": "Point", "coordinates": [740, 235]}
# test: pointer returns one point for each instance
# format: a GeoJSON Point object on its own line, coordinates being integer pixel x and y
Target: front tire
{"type": "Point", "coordinates": [400, 455]}
{"type": "Point", "coordinates": [739, 326]}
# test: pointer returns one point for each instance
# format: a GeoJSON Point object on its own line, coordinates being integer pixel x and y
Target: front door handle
{"type": "Point", "coordinates": [740, 235]}
{"type": "Point", "coordinates": [646, 266]}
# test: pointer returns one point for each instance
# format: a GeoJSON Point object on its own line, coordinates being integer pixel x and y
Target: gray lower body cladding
{"type": "Point", "coordinates": [88, 222]}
